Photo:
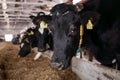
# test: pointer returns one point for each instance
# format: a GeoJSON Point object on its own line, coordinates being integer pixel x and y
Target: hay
{"type": "Point", "coordinates": [13, 67]}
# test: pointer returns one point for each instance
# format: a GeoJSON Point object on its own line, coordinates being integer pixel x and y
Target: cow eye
{"type": "Point", "coordinates": [72, 32]}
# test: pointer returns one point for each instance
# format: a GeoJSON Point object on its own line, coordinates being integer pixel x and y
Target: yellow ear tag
{"type": "Point", "coordinates": [43, 24]}
{"type": "Point", "coordinates": [89, 25]}
{"type": "Point", "coordinates": [81, 30]}
{"type": "Point", "coordinates": [81, 34]}
{"type": "Point", "coordinates": [31, 32]}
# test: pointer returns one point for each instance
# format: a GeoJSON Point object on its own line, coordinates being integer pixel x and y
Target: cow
{"type": "Point", "coordinates": [39, 37]}
{"type": "Point", "coordinates": [65, 27]}
{"type": "Point", "coordinates": [28, 42]}
{"type": "Point", "coordinates": [105, 36]}
{"type": "Point", "coordinates": [104, 45]}
{"type": "Point", "coordinates": [43, 33]}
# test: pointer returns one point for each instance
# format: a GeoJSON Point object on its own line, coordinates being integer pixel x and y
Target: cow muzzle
{"type": "Point", "coordinates": [57, 66]}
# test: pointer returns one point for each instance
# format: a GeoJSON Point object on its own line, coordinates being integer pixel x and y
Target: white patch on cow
{"type": "Point", "coordinates": [37, 55]}
{"type": "Point", "coordinates": [21, 37]}
{"type": "Point", "coordinates": [41, 30]}
{"type": "Point", "coordinates": [22, 44]}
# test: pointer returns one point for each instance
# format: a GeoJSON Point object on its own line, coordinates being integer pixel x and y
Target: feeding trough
{"type": "Point", "coordinates": [87, 70]}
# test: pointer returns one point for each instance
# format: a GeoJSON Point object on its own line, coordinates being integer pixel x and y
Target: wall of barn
{"type": "Point", "coordinates": [14, 28]}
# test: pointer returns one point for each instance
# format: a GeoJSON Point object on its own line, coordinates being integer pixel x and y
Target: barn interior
{"type": "Point", "coordinates": [14, 14]}
{"type": "Point", "coordinates": [14, 19]}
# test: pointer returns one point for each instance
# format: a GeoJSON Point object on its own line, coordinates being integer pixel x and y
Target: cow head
{"type": "Point", "coordinates": [28, 41]}
{"type": "Point", "coordinates": [65, 26]}
{"type": "Point", "coordinates": [41, 21]}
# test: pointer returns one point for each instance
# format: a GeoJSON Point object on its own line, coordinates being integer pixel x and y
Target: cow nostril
{"type": "Point", "coordinates": [58, 66]}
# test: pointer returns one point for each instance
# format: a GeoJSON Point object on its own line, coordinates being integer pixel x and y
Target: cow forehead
{"type": "Point", "coordinates": [62, 8]}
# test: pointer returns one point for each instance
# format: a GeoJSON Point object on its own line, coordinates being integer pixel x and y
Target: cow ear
{"type": "Point", "coordinates": [43, 24]}
{"type": "Point", "coordinates": [40, 13]}
{"type": "Point", "coordinates": [31, 17]}
{"type": "Point", "coordinates": [89, 25]}
{"type": "Point", "coordinates": [89, 19]}
{"type": "Point", "coordinates": [31, 32]}
{"type": "Point", "coordinates": [79, 7]}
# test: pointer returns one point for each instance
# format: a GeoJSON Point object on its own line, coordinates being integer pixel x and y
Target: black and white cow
{"type": "Point", "coordinates": [28, 41]}
{"type": "Point", "coordinates": [39, 37]}
{"type": "Point", "coordinates": [43, 33]}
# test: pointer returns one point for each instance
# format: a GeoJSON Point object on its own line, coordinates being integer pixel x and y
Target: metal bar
{"type": "Point", "coordinates": [32, 3]}
{"type": "Point", "coordinates": [16, 21]}
{"type": "Point", "coordinates": [16, 18]}
{"type": "Point", "coordinates": [15, 9]}
{"type": "Point", "coordinates": [15, 15]}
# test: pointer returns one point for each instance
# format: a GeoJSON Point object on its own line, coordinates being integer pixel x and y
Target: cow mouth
{"type": "Point", "coordinates": [57, 66]}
